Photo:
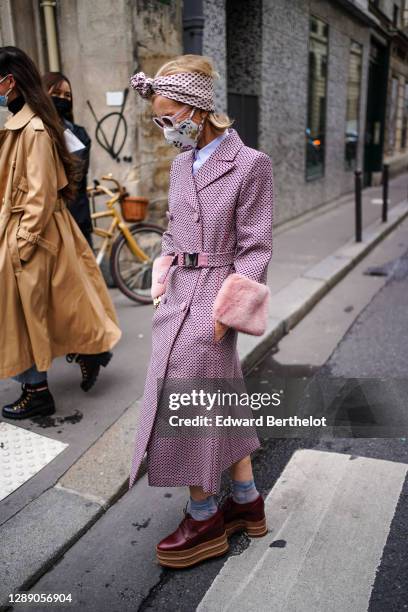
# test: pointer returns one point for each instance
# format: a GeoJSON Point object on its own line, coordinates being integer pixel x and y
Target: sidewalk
{"type": "Point", "coordinates": [310, 255]}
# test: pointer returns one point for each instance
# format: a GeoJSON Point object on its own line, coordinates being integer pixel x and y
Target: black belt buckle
{"type": "Point", "coordinates": [190, 260]}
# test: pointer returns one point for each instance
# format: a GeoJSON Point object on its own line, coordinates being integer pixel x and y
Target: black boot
{"type": "Point", "coordinates": [90, 366]}
{"type": "Point", "coordinates": [32, 402]}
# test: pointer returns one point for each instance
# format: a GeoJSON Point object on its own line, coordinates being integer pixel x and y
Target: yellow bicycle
{"type": "Point", "coordinates": [131, 248]}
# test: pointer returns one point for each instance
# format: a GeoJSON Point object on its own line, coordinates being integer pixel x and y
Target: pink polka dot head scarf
{"type": "Point", "coordinates": [194, 88]}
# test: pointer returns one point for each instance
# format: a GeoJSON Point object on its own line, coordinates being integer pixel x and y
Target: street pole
{"type": "Point", "coordinates": [358, 208]}
{"type": "Point", "coordinates": [385, 192]}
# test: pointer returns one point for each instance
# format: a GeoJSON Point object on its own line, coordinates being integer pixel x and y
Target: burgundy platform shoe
{"type": "Point", "coordinates": [193, 541]}
{"type": "Point", "coordinates": [249, 516]}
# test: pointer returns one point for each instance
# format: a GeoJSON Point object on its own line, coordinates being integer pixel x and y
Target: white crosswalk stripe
{"type": "Point", "coordinates": [330, 515]}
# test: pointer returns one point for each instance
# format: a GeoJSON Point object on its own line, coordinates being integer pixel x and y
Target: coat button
{"type": "Point", "coordinates": [183, 305]}
{"type": "Point", "coordinates": [196, 217]}
{"type": "Point", "coordinates": [164, 300]}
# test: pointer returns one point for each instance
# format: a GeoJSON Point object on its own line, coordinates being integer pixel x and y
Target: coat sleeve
{"type": "Point", "coordinates": [243, 299]}
{"type": "Point", "coordinates": [42, 190]}
{"type": "Point", "coordinates": [161, 264]}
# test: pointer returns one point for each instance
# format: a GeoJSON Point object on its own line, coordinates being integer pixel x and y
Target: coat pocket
{"type": "Point", "coordinates": [22, 184]}
{"type": "Point", "coordinates": [20, 192]}
{"type": "Point", "coordinates": [13, 245]}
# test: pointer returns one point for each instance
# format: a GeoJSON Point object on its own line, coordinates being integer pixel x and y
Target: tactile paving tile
{"type": "Point", "coordinates": [23, 454]}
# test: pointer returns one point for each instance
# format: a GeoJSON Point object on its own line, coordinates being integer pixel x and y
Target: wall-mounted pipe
{"type": "Point", "coordinates": [193, 26]}
{"type": "Point", "coordinates": [48, 7]}
{"type": "Point", "coordinates": [7, 34]}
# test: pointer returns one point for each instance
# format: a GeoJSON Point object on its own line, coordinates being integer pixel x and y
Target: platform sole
{"type": "Point", "coordinates": [255, 529]}
{"type": "Point", "coordinates": [185, 558]}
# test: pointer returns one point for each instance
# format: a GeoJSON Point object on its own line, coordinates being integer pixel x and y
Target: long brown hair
{"type": "Point", "coordinates": [28, 80]}
{"type": "Point", "coordinates": [51, 80]}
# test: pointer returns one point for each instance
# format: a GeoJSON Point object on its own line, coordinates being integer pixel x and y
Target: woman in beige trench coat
{"type": "Point", "coordinates": [54, 300]}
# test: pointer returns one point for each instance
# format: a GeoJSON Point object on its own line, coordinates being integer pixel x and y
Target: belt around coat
{"type": "Point", "coordinates": [199, 260]}
{"type": "Point", "coordinates": [59, 205]}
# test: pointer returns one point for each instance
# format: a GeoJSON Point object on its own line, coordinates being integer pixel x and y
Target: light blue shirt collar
{"type": "Point", "coordinates": [201, 155]}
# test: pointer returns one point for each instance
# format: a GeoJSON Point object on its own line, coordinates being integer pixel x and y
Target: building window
{"type": "Point", "coordinates": [395, 15]}
{"type": "Point", "coordinates": [244, 62]}
{"type": "Point", "coordinates": [392, 126]}
{"type": "Point", "coordinates": [353, 105]}
{"type": "Point", "coordinates": [315, 135]}
{"type": "Point", "coordinates": [404, 118]}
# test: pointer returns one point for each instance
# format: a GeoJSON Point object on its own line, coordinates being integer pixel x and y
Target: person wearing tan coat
{"type": "Point", "coordinates": [54, 300]}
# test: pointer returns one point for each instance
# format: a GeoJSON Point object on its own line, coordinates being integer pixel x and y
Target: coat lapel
{"type": "Point", "coordinates": [20, 119]}
{"type": "Point", "coordinates": [3, 134]}
{"type": "Point", "coordinates": [187, 184]}
{"type": "Point", "coordinates": [219, 163]}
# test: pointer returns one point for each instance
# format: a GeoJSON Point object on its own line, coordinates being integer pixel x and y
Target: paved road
{"type": "Point", "coordinates": [359, 329]}
{"type": "Point", "coordinates": [343, 543]}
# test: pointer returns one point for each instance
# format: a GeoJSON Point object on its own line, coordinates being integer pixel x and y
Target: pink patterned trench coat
{"type": "Point", "coordinates": [227, 208]}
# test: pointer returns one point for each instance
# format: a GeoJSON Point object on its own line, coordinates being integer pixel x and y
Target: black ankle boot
{"type": "Point", "coordinates": [90, 366]}
{"type": "Point", "coordinates": [31, 403]}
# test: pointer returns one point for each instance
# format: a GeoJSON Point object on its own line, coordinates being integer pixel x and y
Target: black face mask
{"type": "Point", "coordinates": [63, 106]}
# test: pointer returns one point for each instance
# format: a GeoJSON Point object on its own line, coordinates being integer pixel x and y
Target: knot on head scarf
{"type": "Point", "coordinates": [192, 88]}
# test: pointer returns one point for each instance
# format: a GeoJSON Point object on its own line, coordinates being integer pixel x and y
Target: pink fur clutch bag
{"type": "Point", "coordinates": [242, 303]}
{"type": "Point", "coordinates": [160, 267]}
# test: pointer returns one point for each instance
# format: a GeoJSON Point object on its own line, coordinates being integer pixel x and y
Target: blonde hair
{"type": "Point", "coordinates": [204, 65]}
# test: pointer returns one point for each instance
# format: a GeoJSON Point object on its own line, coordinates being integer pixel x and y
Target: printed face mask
{"type": "Point", "coordinates": [4, 98]}
{"type": "Point", "coordinates": [186, 135]}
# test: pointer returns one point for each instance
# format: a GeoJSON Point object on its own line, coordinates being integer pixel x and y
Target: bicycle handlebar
{"type": "Point", "coordinates": [99, 189]}
{"type": "Point", "coordinates": [109, 177]}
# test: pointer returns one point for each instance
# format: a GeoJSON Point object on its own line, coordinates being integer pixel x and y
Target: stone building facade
{"type": "Point", "coordinates": [394, 19]}
{"type": "Point", "coordinates": [320, 85]}
{"type": "Point", "coordinates": [281, 76]}
{"type": "Point", "coordinates": [101, 44]}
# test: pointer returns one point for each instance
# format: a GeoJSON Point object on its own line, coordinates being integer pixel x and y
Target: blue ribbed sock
{"type": "Point", "coordinates": [244, 491]}
{"type": "Point", "coordinates": [203, 509]}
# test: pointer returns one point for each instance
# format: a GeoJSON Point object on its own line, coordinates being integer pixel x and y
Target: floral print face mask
{"type": "Point", "coordinates": [186, 135]}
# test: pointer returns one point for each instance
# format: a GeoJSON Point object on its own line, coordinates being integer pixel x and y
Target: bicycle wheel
{"type": "Point", "coordinates": [132, 276]}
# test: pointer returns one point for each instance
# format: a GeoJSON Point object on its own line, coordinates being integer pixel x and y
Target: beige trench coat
{"type": "Point", "coordinates": [54, 299]}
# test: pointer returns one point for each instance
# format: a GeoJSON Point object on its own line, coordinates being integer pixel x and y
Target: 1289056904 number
{"type": "Point", "coordinates": [24, 597]}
